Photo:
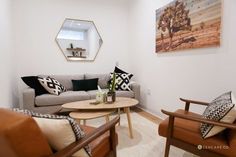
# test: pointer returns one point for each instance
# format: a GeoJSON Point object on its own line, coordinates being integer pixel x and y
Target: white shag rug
{"type": "Point", "coordinates": [146, 141]}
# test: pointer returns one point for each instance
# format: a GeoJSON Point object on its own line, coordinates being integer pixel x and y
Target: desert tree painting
{"type": "Point", "coordinates": [185, 24]}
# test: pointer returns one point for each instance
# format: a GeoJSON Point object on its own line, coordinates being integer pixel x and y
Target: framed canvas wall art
{"type": "Point", "coordinates": [187, 24]}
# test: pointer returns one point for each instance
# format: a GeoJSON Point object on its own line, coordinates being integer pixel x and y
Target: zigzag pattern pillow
{"type": "Point", "coordinates": [122, 81]}
{"type": "Point", "coordinates": [221, 109]}
{"type": "Point", "coordinates": [52, 85]}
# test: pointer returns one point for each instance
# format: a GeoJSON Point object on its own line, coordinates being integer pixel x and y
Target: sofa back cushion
{"type": "Point", "coordinates": [102, 79]}
{"type": "Point", "coordinates": [66, 80]}
{"type": "Point", "coordinates": [20, 136]}
{"type": "Point", "coordinates": [85, 85]}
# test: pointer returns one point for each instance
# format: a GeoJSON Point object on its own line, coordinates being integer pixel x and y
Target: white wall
{"type": "Point", "coordinates": [127, 31]}
{"type": "Point", "coordinates": [200, 74]}
{"type": "Point", "coordinates": [37, 22]}
{"type": "Point", "coordinates": [6, 56]}
{"type": "Point", "coordinates": [93, 42]}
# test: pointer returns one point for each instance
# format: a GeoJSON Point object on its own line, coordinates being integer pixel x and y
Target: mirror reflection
{"type": "Point", "coordinates": [79, 40]}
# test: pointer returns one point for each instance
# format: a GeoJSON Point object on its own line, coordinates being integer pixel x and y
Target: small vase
{"type": "Point", "coordinates": [111, 97]}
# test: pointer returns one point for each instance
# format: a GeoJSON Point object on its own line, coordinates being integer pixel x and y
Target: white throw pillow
{"type": "Point", "coordinates": [220, 109]}
{"type": "Point", "coordinates": [59, 134]}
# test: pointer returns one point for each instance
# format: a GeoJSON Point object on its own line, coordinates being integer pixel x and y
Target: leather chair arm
{"type": "Point", "coordinates": [75, 146]}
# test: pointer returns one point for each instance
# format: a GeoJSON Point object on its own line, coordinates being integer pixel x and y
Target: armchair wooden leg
{"type": "Point", "coordinates": [169, 135]}
{"type": "Point", "coordinates": [113, 141]}
{"type": "Point", "coordinates": [167, 149]}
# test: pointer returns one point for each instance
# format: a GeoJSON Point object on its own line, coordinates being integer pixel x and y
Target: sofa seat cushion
{"type": "Point", "coordinates": [66, 97]}
{"type": "Point", "coordinates": [100, 147]}
{"type": "Point", "coordinates": [129, 94]}
{"type": "Point", "coordinates": [189, 132]}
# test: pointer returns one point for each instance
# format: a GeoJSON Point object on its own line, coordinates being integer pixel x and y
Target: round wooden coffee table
{"type": "Point", "coordinates": [86, 115]}
{"type": "Point", "coordinates": [121, 102]}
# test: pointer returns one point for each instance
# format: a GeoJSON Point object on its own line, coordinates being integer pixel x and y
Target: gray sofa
{"type": "Point", "coordinates": [48, 103]}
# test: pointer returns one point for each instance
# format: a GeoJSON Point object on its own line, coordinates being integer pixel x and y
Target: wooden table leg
{"type": "Point", "coordinates": [119, 116]}
{"type": "Point", "coordinates": [127, 110]}
{"type": "Point", "coordinates": [107, 118]}
{"type": "Point", "coordinates": [78, 121]}
{"type": "Point", "coordinates": [84, 122]}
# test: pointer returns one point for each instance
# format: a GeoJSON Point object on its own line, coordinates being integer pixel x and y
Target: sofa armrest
{"type": "Point", "coordinates": [135, 87]}
{"type": "Point", "coordinates": [28, 98]}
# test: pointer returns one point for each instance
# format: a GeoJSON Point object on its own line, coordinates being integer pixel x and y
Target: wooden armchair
{"type": "Point", "coordinates": [20, 136]}
{"type": "Point", "coordinates": [182, 129]}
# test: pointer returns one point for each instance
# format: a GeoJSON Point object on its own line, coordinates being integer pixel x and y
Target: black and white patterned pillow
{"type": "Point", "coordinates": [118, 70]}
{"type": "Point", "coordinates": [78, 132]}
{"type": "Point", "coordinates": [122, 81]}
{"type": "Point", "coordinates": [220, 109]}
{"type": "Point", "coordinates": [52, 85]}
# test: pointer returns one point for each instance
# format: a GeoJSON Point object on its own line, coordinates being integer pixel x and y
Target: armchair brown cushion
{"type": "Point", "coordinates": [20, 136]}
{"type": "Point", "coordinates": [189, 132]}
{"type": "Point", "coordinates": [231, 136]}
{"type": "Point", "coordinates": [101, 146]}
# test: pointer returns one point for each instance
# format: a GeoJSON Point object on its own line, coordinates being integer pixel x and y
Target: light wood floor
{"type": "Point", "coordinates": [146, 115]}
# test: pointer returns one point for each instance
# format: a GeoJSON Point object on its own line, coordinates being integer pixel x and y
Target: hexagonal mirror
{"type": "Point", "coordinates": [79, 40]}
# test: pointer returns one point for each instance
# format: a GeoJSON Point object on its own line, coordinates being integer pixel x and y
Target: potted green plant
{"type": "Point", "coordinates": [111, 95]}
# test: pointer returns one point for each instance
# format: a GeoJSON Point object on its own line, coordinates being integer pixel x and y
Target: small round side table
{"type": "Point", "coordinates": [86, 115]}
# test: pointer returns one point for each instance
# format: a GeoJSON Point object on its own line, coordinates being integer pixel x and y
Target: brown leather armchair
{"type": "Point", "coordinates": [20, 136]}
{"type": "Point", "coordinates": [182, 129]}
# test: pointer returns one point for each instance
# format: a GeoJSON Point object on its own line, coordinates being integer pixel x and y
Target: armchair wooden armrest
{"type": "Point", "coordinates": [188, 102]}
{"type": "Point", "coordinates": [75, 146]}
{"type": "Point", "coordinates": [202, 120]}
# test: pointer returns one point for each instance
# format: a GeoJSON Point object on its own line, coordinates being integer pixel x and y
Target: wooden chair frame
{"type": "Point", "coordinates": [75, 146]}
{"type": "Point", "coordinates": [186, 146]}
